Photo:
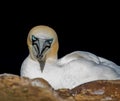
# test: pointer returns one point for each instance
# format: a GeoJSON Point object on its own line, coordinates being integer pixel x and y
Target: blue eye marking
{"type": "Point", "coordinates": [50, 40]}
{"type": "Point", "coordinates": [34, 38]}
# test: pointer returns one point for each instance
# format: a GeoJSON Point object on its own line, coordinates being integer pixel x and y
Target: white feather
{"type": "Point", "coordinates": [72, 70]}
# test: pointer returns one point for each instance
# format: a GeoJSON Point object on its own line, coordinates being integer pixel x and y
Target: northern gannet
{"type": "Point", "coordinates": [68, 72]}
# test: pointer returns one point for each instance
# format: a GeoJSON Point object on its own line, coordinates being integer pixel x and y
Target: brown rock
{"type": "Point", "coordinates": [101, 90]}
{"type": "Point", "coordinates": [65, 94]}
{"type": "Point", "coordinates": [15, 88]}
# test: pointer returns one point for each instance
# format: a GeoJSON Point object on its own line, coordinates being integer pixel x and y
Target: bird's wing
{"type": "Point", "coordinates": [80, 67]}
{"type": "Point", "coordinates": [109, 63]}
{"type": "Point", "coordinates": [78, 55]}
{"type": "Point", "coordinates": [89, 59]}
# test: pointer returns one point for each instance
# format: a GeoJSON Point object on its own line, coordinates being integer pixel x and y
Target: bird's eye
{"type": "Point", "coordinates": [34, 38]}
{"type": "Point", "coordinates": [50, 41]}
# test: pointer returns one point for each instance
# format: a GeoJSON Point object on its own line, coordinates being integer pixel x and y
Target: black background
{"type": "Point", "coordinates": [84, 27]}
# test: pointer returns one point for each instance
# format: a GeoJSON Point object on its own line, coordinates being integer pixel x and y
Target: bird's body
{"type": "Point", "coordinates": [70, 71]}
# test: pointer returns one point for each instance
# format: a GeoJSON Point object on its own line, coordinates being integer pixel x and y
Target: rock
{"type": "Point", "coordinates": [65, 94]}
{"type": "Point", "coordinates": [16, 88]}
{"type": "Point", "coordinates": [101, 90]}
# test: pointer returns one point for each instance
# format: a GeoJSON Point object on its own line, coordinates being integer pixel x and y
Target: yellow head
{"type": "Point", "coordinates": [42, 42]}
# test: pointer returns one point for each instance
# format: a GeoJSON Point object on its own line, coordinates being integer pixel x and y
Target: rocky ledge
{"type": "Point", "coordinates": [16, 88]}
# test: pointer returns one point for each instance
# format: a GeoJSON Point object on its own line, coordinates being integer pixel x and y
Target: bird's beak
{"type": "Point", "coordinates": [39, 51]}
{"type": "Point", "coordinates": [40, 48]}
{"type": "Point", "coordinates": [41, 54]}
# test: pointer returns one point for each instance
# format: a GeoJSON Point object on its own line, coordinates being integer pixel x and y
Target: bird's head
{"type": "Point", "coordinates": [42, 42]}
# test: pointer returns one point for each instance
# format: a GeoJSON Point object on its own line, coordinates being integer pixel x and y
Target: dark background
{"type": "Point", "coordinates": [93, 28]}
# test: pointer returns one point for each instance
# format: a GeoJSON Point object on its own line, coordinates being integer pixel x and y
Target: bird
{"type": "Point", "coordinates": [69, 71]}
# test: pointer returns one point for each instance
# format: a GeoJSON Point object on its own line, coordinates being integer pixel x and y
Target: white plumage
{"type": "Point", "coordinates": [68, 72]}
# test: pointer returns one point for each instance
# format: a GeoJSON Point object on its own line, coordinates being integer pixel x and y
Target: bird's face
{"type": "Point", "coordinates": [40, 47]}
{"type": "Point", "coordinates": [42, 44]}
